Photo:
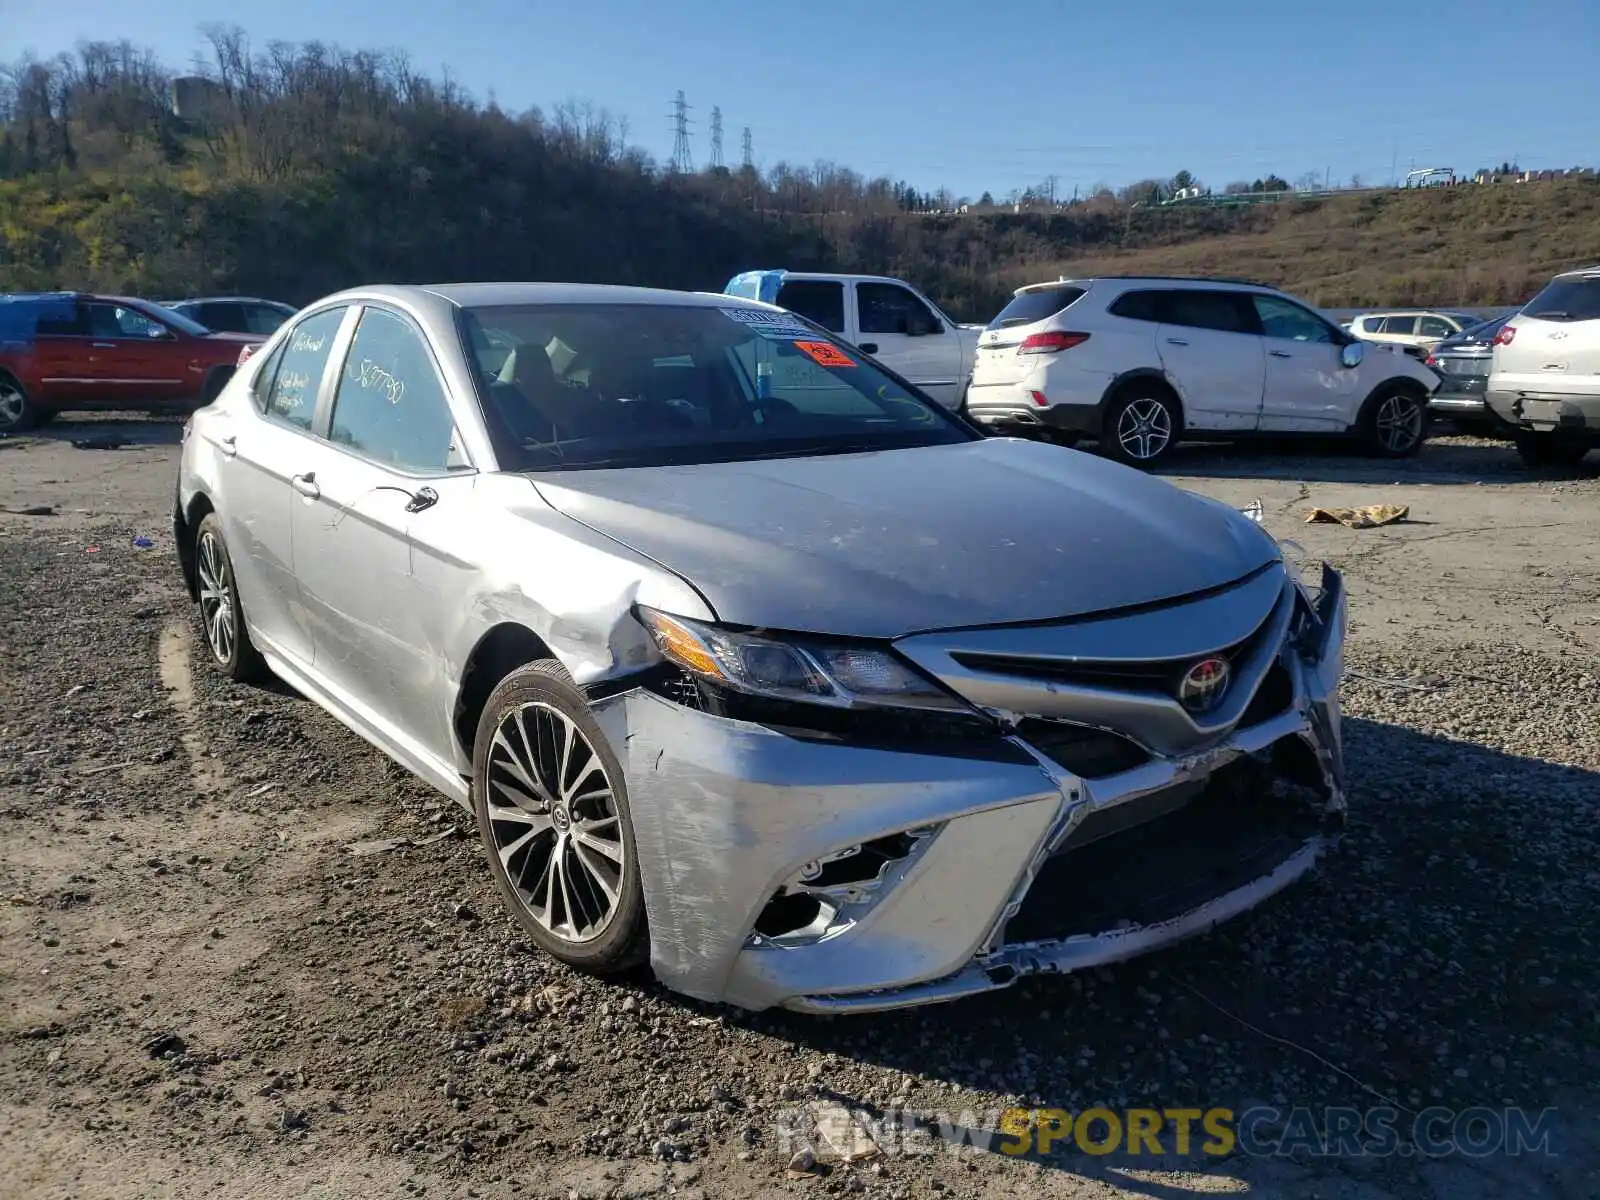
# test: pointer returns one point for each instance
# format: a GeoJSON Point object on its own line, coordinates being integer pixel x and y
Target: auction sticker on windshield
{"type": "Point", "coordinates": [780, 326]}
{"type": "Point", "coordinates": [825, 354]}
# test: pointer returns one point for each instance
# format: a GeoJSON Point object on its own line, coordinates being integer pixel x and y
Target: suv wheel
{"type": "Point", "coordinates": [16, 410]}
{"type": "Point", "coordinates": [1141, 426]}
{"type": "Point", "coordinates": [1397, 423]}
{"type": "Point", "coordinates": [1550, 449]}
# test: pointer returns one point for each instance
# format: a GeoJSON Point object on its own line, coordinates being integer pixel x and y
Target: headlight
{"type": "Point", "coordinates": [841, 676]}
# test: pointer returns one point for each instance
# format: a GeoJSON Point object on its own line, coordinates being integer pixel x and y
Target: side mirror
{"type": "Point", "coordinates": [1352, 354]}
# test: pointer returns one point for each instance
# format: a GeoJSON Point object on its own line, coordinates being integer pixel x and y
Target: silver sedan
{"type": "Point", "coordinates": [750, 660]}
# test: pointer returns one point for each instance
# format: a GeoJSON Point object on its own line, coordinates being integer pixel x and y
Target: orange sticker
{"type": "Point", "coordinates": [825, 354]}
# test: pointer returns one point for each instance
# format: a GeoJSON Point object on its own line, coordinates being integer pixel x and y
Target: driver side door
{"type": "Point", "coordinates": [1308, 388]}
{"type": "Point", "coordinates": [903, 333]}
{"type": "Point", "coordinates": [132, 358]}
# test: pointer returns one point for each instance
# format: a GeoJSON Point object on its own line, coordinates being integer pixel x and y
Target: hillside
{"type": "Point", "coordinates": [314, 169]}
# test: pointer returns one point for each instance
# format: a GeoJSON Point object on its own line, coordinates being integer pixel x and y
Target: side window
{"type": "Point", "coordinates": [1435, 327]}
{"type": "Point", "coordinates": [1281, 319]}
{"type": "Point", "coordinates": [291, 395]}
{"type": "Point", "coordinates": [1406, 325]}
{"type": "Point", "coordinates": [888, 308]}
{"type": "Point", "coordinates": [1371, 324]}
{"type": "Point", "coordinates": [390, 405]}
{"type": "Point", "coordinates": [817, 300]}
{"type": "Point", "coordinates": [224, 318]}
{"type": "Point", "coordinates": [77, 325]}
{"type": "Point", "coordinates": [1202, 309]}
{"type": "Point", "coordinates": [1140, 306]}
{"type": "Point", "coordinates": [110, 321]}
{"type": "Point", "coordinates": [259, 318]}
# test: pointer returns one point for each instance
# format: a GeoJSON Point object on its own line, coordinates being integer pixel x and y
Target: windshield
{"type": "Point", "coordinates": [622, 385]}
{"type": "Point", "coordinates": [176, 319]}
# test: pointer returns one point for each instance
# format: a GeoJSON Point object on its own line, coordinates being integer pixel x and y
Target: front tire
{"type": "Point", "coordinates": [1396, 423]}
{"type": "Point", "coordinates": [552, 810]}
{"type": "Point", "coordinates": [221, 616]}
{"type": "Point", "coordinates": [1141, 427]}
{"type": "Point", "coordinates": [1550, 450]}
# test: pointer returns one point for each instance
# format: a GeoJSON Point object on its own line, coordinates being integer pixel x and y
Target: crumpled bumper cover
{"type": "Point", "coordinates": [724, 812]}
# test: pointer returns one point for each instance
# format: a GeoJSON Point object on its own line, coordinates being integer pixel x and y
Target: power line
{"type": "Point", "coordinates": [682, 156]}
{"type": "Point", "coordinates": [716, 139]}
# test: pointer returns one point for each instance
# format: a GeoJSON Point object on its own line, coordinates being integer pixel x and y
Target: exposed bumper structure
{"type": "Point", "coordinates": [1548, 411]}
{"type": "Point", "coordinates": [1104, 818]}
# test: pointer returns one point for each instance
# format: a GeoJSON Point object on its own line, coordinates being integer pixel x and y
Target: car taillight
{"type": "Point", "coordinates": [1503, 338]}
{"type": "Point", "coordinates": [244, 354]}
{"type": "Point", "coordinates": [1432, 360]}
{"type": "Point", "coordinates": [1049, 343]}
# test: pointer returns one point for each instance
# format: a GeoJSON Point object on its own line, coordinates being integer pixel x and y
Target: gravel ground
{"type": "Point", "coordinates": [209, 993]}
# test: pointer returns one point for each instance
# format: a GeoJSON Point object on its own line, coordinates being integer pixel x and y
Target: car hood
{"type": "Point", "coordinates": [894, 542]}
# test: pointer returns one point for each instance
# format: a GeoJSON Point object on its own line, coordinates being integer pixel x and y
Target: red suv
{"type": "Point", "coordinates": [69, 350]}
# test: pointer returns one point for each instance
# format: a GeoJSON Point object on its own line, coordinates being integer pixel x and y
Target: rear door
{"type": "Point", "coordinates": [1211, 349]}
{"type": "Point", "coordinates": [895, 326]}
{"type": "Point", "coordinates": [61, 356]}
{"type": "Point", "coordinates": [819, 300]}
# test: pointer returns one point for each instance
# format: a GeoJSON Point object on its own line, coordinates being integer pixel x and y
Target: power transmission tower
{"type": "Point", "coordinates": [716, 139]}
{"type": "Point", "coordinates": [749, 154]}
{"type": "Point", "coordinates": [682, 157]}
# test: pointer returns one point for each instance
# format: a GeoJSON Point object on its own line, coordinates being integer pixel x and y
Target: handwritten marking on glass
{"type": "Point", "coordinates": [376, 378]}
{"type": "Point", "coordinates": [304, 343]}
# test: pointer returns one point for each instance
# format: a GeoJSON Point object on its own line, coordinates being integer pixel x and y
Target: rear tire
{"type": "Point", "coordinates": [1550, 449]}
{"type": "Point", "coordinates": [551, 800]}
{"type": "Point", "coordinates": [221, 615]}
{"type": "Point", "coordinates": [1141, 425]}
{"type": "Point", "coordinates": [17, 411]}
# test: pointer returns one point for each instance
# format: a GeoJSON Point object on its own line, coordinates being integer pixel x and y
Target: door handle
{"type": "Point", "coordinates": [229, 445]}
{"type": "Point", "coordinates": [306, 485]}
{"type": "Point", "coordinates": [869, 347]}
{"type": "Point", "coordinates": [1176, 342]}
{"type": "Point", "coordinates": [102, 345]}
{"type": "Point", "coordinates": [1280, 354]}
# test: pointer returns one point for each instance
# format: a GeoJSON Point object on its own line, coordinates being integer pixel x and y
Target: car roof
{"type": "Point", "coordinates": [223, 300]}
{"type": "Point", "coordinates": [1579, 272]}
{"type": "Point", "coordinates": [842, 277]}
{"type": "Point", "coordinates": [463, 295]}
{"type": "Point", "coordinates": [1199, 281]}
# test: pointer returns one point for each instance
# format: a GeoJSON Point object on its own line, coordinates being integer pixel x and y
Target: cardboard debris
{"type": "Point", "coordinates": [1367, 516]}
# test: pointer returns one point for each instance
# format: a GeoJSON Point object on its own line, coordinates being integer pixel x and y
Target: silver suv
{"type": "Point", "coordinates": [1545, 378]}
{"type": "Point", "coordinates": [1139, 362]}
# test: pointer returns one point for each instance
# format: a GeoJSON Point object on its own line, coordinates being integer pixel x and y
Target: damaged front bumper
{"type": "Point", "coordinates": [826, 876]}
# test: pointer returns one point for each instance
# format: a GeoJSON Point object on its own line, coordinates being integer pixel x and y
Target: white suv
{"type": "Point", "coordinates": [1141, 362]}
{"type": "Point", "coordinates": [1545, 375]}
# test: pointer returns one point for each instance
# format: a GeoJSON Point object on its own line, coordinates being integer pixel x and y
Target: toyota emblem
{"type": "Point", "coordinates": [1204, 685]}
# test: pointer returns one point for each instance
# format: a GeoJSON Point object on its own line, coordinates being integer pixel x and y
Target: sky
{"type": "Point", "coordinates": [977, 97]}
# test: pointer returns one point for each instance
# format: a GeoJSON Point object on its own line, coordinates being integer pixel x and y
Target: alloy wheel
{"type": "Point", "coordinates": [1144, 428]}
{"type": "Point", "coordinates": [553, 816]}
{"type": "Point", "coordinates": [1399, 423]}
{"type": "Point", "coordinates": [217, 608]}
{"type": "Point", "coordinates": [13, 405]}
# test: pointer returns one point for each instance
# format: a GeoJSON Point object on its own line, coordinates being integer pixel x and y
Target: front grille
{"type": "Point", "coordinates": [1160, 676]}
{"type": "Point", "coordinates": [1237, 829]}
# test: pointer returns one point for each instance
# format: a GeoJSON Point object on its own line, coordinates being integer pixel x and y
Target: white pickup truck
{"type": "Point", "coordinates": [886, 318]}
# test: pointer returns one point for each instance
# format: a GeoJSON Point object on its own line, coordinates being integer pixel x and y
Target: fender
{"type": "Point", "coordinates": [1124, 377]}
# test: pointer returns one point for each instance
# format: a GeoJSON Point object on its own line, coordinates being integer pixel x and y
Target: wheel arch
{"type": "Point", "coordinates": [1394, 383]}
{"type": "Point", "coordinates": [1126, 379]}
{"type": "Point", "coordinates": [184, 535]}
{"type": "Point", "coordinates": [499, 650]}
